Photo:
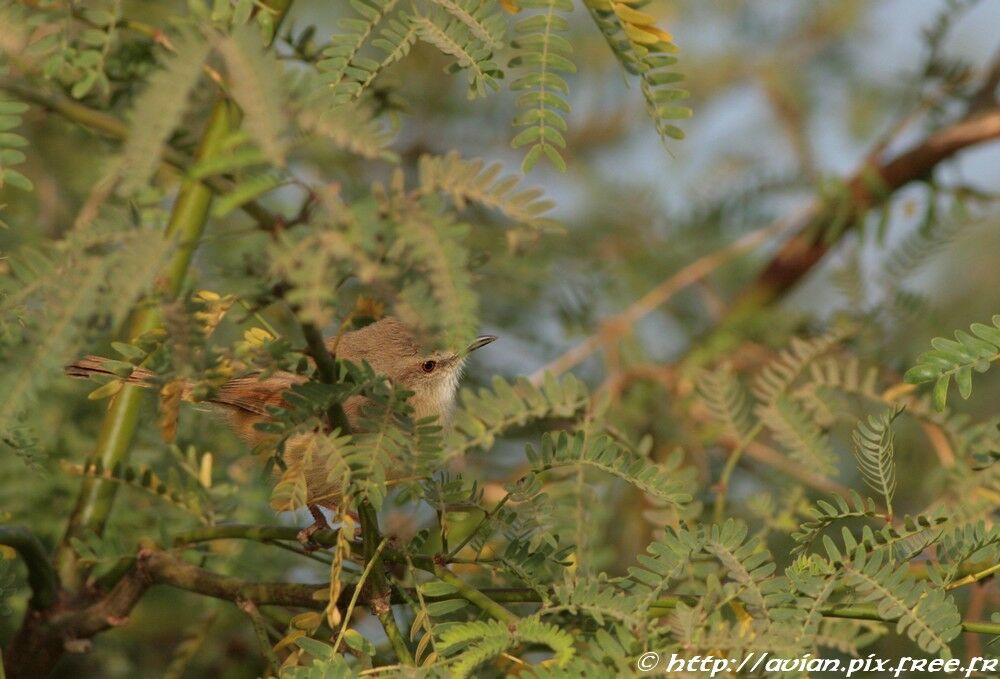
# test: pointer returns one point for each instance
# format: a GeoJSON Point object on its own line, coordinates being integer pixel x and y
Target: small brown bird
{"type": "Point", "coordinates": [388, 345]}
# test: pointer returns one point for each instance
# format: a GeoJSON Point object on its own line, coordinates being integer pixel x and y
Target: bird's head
{"type": "Point", "coordinates": [393, 350]}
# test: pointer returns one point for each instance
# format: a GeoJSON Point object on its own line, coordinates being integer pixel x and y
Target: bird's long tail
{"type": "Point", "coordinates": [89, 366]}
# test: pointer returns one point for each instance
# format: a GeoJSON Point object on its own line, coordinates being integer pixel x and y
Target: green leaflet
{"type": "Point", "coordinates": [257, 81]}
{"type": "Point", "coordinates": [928, 616]}
{"type": "Point", "coordinates": [10, 143]}
{"type": "Point", "coordinates": [158, 110]}
{"type": "Point", "coordinates": [668, 484]}
{"type": "Point", "coordinates": [454, 38]}
{"type": "Point", "coordinates": [728, 401]}
{"type": "Point", "coordinates": [542, 56]}
{"type": "Point", "coordinates": [874, 452]}
{"type": "Point", "coordinates": [956, 359]}
{"type": "Point", "coordinates": [474, 181]}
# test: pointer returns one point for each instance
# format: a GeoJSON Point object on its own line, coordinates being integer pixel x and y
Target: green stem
{"type": "Point", "coordinates": [474, 596]}
{"type": "Point", "coordinates": [41, 576]}
{"type": "Point", "coordinates": [727, 471]}
{"type": "Point", "coordinates": [325, 538]}
{"type": "Point", "coordinates": [981, 627]}
{"type": "Point", "coordinates": [380, 593]}
{"type": "Point", "coordinates": [468, 538]}
{"type": "Point", "coordinates": [187, 223]}
{"type": "Point", "coordinates": [870, 613]}
{"type": "Point", "coordinates": [973, 578]}
{"type": "Point", "coordinates": [111, 126]}
{"type": "Point", "coordinates": [326, 369]}
{"type": "Point", "coordinates": [357, 592]}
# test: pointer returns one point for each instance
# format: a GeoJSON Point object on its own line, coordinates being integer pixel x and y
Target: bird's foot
{"type": "Point", "coordinates": [319, 523]}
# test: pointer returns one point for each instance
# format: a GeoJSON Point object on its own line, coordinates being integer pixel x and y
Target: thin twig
{"type": "Point", "coordinates": [474, 596]}
{"type": "Point", "coordinates": [722, 488]}
{"type": "Point", "coordinates": [357, 591]}
{"type": "Point", "coordinates": [621, 323]}
{"type": "Point", "coordinates": [487, 515]}
{"type": "Point", "coordinates": [973, 578]}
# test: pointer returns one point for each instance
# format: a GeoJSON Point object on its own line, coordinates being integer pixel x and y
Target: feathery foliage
{"type": "Point", "coordinates": [257, 81]}
{"type": "Point", "coordinates": [874, 451]}
{"type": "Point", "coordinates": [343, 70]}
{"type": "Point", "coordinates": [485, 415]}
{"type": "Point", "coordinates": [434, 247]}
{"type": "Point", "coordinates": [728, 401]}
{"type": "Point", "coordinates": [664, 482]}
{"type": "Point", "coordinates": [159, 109]}
{"type": "Point", "coordinates": [799, 434]}
{"type": "Point", "coordinates": [475, 182]}
{"type": "Point", "coordinates": [928, 616]}
{"type": "Point", "coordinates": [956, 359]}
{"type": "Point", "coordinates": [601, 453]}
{"type": "Point", "coordinates": [646, 51]}
{"type": "Point", "coordinates": [454, 37]}
{"type": "Point", "coordinates": [483, 19]}
{"type": "Point", "coordinates": [825, 513]}
{"type": "Point", "coordinates": [481, 641]}
{"type": "Point", "coordinates": [10, 145]}
{"type": "Point", "coordinates": [778, 376]}
{"type": "Point", "coordinates": [546, 53]}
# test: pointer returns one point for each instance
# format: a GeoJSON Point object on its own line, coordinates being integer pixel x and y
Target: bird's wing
{"type": "Point", "coordinates": [253, 394]}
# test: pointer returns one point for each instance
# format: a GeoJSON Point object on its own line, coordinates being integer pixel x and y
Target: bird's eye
{"type": "Point", "coordinates": [429, 366]}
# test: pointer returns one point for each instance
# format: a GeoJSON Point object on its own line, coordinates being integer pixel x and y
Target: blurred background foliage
{"type": "Point", "coordinates": [789, 98]}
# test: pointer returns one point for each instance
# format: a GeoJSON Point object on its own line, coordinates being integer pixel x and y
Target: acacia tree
{"type": "Point", "coordinates": [241, 188]}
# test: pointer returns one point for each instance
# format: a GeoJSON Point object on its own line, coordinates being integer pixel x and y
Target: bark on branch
{"type": "Point", "coordinates": [48, 633]}
{"type": "Point", "coordinates": [42, 576]}
{"type": "Point", "coordinates": [870, 186]}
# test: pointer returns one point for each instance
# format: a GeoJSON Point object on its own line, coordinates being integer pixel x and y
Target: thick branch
{"type": "Point", "coordinates": [187, 223]}
{"type": "Point", "coordinates": [870, 186]}
{"type": "Point", "coordinates": [42, 576]}
{"type": "Point", "coordinates": [46, 634]}
{"type": "Point", "coordinates": [166, 569]}
{"type": "Point", "coordinates": [380, 592]}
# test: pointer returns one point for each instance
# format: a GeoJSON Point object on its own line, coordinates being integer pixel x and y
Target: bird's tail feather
{"type": "Point", "coordinates": [90, 366]}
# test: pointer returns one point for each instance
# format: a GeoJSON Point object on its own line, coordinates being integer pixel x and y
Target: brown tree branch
{"type": "Point", "coordinates": [46, 634]}
{"type": "Point", "coordinates": [42, 577]}
{"type": "Point", "coordinates": [870, 186]}
{"type": "Point", "coordinates": [620, 324]}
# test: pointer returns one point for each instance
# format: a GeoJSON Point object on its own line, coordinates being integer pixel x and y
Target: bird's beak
{"type": "Point", "coordinates": [481, 342]}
